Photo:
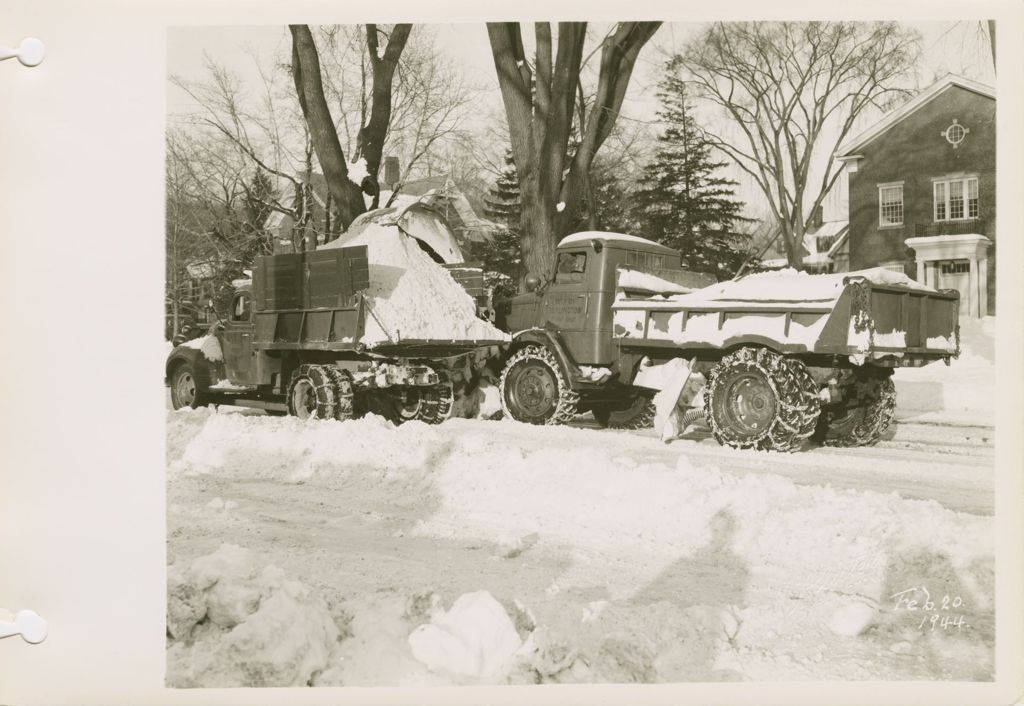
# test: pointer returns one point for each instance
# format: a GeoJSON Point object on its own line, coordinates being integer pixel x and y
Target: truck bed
{"type": "Point", "coordinates": [859, 318]}
{"type": "Point", "coordinates": [322, 301]}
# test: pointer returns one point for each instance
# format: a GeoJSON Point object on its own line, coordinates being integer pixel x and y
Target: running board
{"type": "Point", "coordinates": [261, 404]}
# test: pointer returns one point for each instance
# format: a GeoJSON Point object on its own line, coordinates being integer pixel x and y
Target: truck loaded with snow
{"type": "Point", "coordinates": [769, 360]}
{"type": "Point", "coordinates": [384, 319]}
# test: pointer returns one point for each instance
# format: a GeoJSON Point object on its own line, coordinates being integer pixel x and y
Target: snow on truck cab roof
{"type": "Point", "coordinates": [620, 239]}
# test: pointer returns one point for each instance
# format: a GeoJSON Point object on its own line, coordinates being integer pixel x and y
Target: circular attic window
{"type": "Point", "coordinates": [955, 133]}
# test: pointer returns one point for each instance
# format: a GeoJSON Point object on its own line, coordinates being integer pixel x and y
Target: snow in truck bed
{"type": "Point", "coordinates": [411, 297]}
{"type": "Point", "coordinates": [788, 286]}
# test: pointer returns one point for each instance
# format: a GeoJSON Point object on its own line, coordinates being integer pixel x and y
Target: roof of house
{"type": "Point", "coordinates": [852, 145]}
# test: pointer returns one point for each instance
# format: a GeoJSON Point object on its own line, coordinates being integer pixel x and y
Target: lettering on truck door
{"type": "Point", "coordinates": [238, 353]}
{"type": "Point", "coordinates": [565, 302]}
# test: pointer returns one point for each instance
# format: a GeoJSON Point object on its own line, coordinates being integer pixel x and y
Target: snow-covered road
{"type": "Point", "coordinates": [946, 462]}
{"type": "Point", "coordinates": [617, 557]}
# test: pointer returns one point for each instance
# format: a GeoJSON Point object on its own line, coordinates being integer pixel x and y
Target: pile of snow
{"type": "Point", "coordinates": [790, 285]}
{"type": "Point", "coordinates": [475, 639]}
{"type": "Point", "coordinates": [231, 623]}
{"type": "Point", "coordinates": [295, 450]}
{"type": "Point", "coordinates": [209, 345]}
{"type": "Point", "coordinates": [412, 297]}
{"type": "Point", "coordinates": [962, 392]}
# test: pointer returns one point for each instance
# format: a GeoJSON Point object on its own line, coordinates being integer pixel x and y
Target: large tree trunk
{"type": "Point", "coordinates": [309, 87]}
{"type": "Point", "coordinates": [540, 112]}
{"type": "Point", "coordinates": [372, 134]}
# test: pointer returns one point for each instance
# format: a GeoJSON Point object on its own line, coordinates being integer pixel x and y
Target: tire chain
{"type": "Point", "coordinates": [796, 394]}
{"type": "Point", "coordinates": [568, 400]}
{"type": "Point", "coordinates": [444, 393]}
{"type": "Point", "coordinates": [643, 419]}
{"type": "Point", "coordinates": [343, 392]}
{"type": "Point", "coordinates": [323, 389]}
{"type": "Point", "coordinates": [878, 395]}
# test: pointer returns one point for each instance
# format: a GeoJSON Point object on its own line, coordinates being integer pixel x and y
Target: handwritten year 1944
{"type": "Point", "coordinates": [943, 613]}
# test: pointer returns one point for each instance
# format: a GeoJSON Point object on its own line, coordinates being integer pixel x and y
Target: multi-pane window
{"type": "Point", "coordinates": [890, 205]}
{"type": "Point", "coordinates": [956, 199]}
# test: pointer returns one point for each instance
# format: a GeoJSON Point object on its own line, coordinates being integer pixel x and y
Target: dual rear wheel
{"type": "Point", "coordinates": [757, 398]}
{"type": "Point", "coordinates": [327, 392]}
{"type": "Point", "coordinates": [320, 392]}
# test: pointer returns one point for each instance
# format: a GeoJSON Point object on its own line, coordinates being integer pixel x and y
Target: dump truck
{"type": "Point", "coordinates": [782, 357]}
{"type": "Point", "coordinates": [344, 330]}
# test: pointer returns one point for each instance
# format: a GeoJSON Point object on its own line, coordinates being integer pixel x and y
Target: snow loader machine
{"type": "Point", "coordinates": [294, 343]}
{"type": "Point", "coordinates": [770, 360]}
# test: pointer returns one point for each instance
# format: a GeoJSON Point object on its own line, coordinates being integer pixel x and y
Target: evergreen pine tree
{"type": "Point", "coordinates": [502, 257]}
{"type": "Point", "coordinates": [680, 202]}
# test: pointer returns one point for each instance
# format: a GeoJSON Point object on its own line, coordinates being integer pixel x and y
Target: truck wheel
{"type": "Point", "coordinates": [311, 393]}
{"type": "Point", "coordinates": [184, 390]}
{"type": "Point", "coordinates": [756, 398]}
{"type": "Point", "coordinates": [343, 392]}
{"type": "Point", "coordinates": [638, 415]}
{"type": "Point", "coordinates": [866, 413]}
{"type": "Point", "coordinates": [534, 390]}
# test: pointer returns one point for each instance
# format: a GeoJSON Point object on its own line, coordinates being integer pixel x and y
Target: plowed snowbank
{"type": "Point", "coordinates": [963, 392]}
{"type": "Point", "coordinates": [233, 623]}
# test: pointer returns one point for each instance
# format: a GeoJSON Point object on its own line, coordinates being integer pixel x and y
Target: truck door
{"type": "Point", "coordinates": [565, 302]}
{"type": "Point", "coordinates": [239, 355]}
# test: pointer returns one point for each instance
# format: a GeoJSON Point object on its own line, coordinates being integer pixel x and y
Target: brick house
{"type": "Point", "coordinates": [922, 189]}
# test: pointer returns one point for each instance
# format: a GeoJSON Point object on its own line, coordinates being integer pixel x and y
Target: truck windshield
{"type": "Point", "coordinates": [571, 266]}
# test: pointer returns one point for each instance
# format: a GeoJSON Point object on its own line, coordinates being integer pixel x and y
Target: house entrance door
{"type": "Point", "coordinates": [956, 274]}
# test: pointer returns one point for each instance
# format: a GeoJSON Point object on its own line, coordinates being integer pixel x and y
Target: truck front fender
{"type": "Point", "coordinates": [207, 372]}
{"type": "Point", "coordinates": [548, 339]}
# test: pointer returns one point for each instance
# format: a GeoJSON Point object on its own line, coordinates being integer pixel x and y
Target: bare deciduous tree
{"type": "Point", "coordinates": [794, 91]}
{"type": "Point", "coordinates": [540, 103]}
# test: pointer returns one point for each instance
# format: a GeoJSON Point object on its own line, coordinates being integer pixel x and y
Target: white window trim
{"type": "Point", "coordinates": [888, 185]}
{"type": "Point", "coordinates": [947, 180]}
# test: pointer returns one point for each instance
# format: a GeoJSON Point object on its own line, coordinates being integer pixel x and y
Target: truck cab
{"type": "Point", "coordinates": [577, 299]}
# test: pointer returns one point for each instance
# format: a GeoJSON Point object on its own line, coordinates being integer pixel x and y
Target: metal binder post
{"type": "Point", "coordinates": [30, 52]}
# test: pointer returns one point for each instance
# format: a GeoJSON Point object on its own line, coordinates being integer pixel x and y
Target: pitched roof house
{"type": "Point", "coordinates": [440, 193]}
{"type": "Point", "coordinates": [922, 187]}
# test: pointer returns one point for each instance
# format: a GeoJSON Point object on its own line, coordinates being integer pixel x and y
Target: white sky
{"type": "Point", "coordinates": [949, 47]}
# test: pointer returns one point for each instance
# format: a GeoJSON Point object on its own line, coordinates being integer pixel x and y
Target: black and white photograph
{"type": "Point", "coordinates": [580, 352]}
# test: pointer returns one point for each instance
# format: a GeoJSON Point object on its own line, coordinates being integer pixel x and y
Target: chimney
{"type": "Point", "coordinates": [390, 172]}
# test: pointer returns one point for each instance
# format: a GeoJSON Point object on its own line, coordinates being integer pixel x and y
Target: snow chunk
{"type": "Point", "coordinates": [261, 629]}
{"type": "Point", "coordinates": [560, 206]}
{"type": "Point", "coordinates": [357, 171]}
{"type": "Point", "coordinates": [893, 339]}
{"type": "Point", "coordinates": [210, 347]}
{"type": "Point", "coordinates": [853, 619]}
{"type": "Point", "coordinates": [412, 297]}
{"type": "Point", "coordinates": [476, 639]}
{"type": "Point", "coordinates": [587, 236]}
{"type": "Point", "coordinates": [668, 418]}
{"type": "Point", "coordinates": [595, 374]}
{"type": "Point", "coordinates": [635, 279]}
{"type": "Point", "coordinates": [488, 400]}
{"type": "Point", "coordinates": [942, 342]}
